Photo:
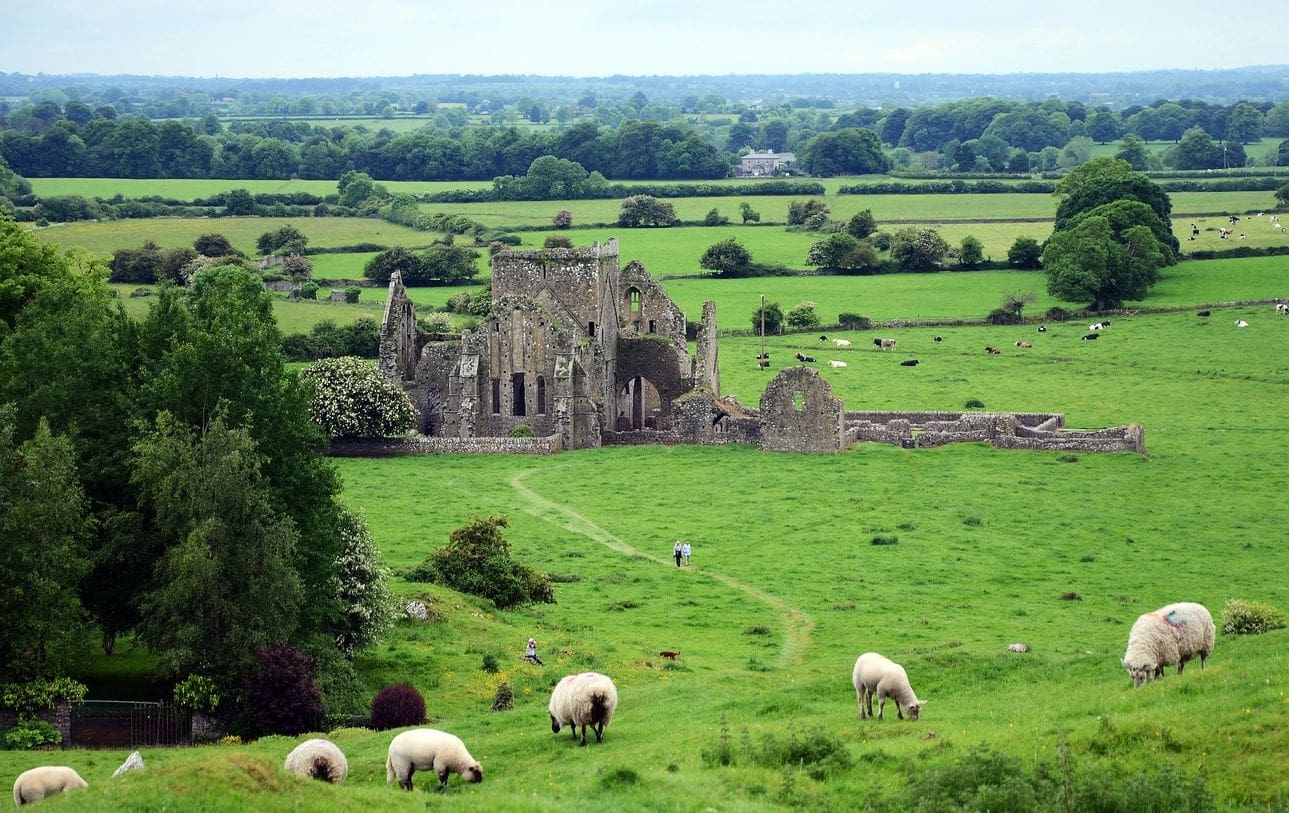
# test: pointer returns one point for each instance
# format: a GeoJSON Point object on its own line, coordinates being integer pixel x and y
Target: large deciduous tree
{"type": "Point", "coordinates": [729, 258]}
{"type": "Point", "coordinates": [918, 249]}
{"type": "Point", "coordinates": [851, 151]}
{"type": "Point", "coordinates": [1087, 263]}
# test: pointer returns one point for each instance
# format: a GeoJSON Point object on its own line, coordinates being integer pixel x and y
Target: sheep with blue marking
{"type": "Point", "coordinates": [587, 699]}
{"type": "Point", "coordinates": [47, 780]}
{"type": "Point", "coordinates": [1173, 634]}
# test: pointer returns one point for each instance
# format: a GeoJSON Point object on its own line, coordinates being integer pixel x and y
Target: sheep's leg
{"type": "Point", "coordinates": [406, 782]}
{"type": "Point", "coordinates": [443, 779]}
{"type": "Point", "coordinates": [898, 709]}
{"type": "Point", "coordinates": [599, 732]}
{"type": "Point", "coordinates": [583, 733]}
{"type": "Point", "coordinates": [574, 728]}
{"type": "Point", "coordinates": [881, 707]}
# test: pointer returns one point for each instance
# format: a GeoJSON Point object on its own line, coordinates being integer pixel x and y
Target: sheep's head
{"type": "Point", "coordinates": [914, 709]}
{"type": "Point", "coordinates": [1139, 674]}
{"type": "Point", "coordinates": [554, 724]}
{"type": "Point", "coordinates": [473, 773]}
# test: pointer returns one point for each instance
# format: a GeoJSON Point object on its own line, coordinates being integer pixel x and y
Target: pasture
{"type": "Point", "coordinates": [786, 589]}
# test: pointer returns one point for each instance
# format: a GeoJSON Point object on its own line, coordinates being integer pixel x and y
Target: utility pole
{"type": "Point", "coordinates": [760, 362]}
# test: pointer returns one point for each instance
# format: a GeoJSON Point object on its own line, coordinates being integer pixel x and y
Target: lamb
{"type": "Point", "coordinates": [877, 674]}
{"type": "Point", "coordinates": [884, 344]}
{"type": "Point", "coordinates": [841, 342]}
{"type": "Point", "coordinates": [836, 363]}
{"type": "Point", "coordinates": [1241, 323]}
{"type": "Point", "coordinates": [317, 759]}
{"type": "Point", "coordinates": [422, 749]}
{"type": "Point", "coordinates": [1172, 634]}
{"type": "Point", "coordinates": [581, 700]}
{"type": "Point", "coordinates": [45, 781]}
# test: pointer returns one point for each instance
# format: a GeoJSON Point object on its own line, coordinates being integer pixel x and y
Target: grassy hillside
{"type": "Point", "coordinates": [786, 589]}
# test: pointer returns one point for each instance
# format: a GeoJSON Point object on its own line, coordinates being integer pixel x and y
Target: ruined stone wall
{"type": "Point", "coordinates": [707, 371]}
{"type": "Point", "coordinates": [657, 361]}
{"type": "Point", "coordinates": [800, 414]}
{"type": "Point", "coordinates": [576, 278]}
{"type": "Point", "coordinates": [398, 349]}
{"type": "Point", "coordinates": [430, 386]}
{"type": "Point", "coordinates": [650, 311]}
{"type": "Point", "coordinates": [420, 444]}
{"type": "Point", "coordinates": [924, 418]}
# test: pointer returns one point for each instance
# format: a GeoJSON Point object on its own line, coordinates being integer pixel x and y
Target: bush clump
{"type": "Point", "coordinates": [885, 540]}
{"type": "Point", "coordinates": [397, 706]}
{"type": "Point", "coordinates": [1240, 617]}
{"type": "Point", "coordinates": [282, 695]}
{"type": "Point", "coordinates": [504, 699]}
{"type": "Point", "coordinates": [352, 399]}
{"type": "Point", "coordinates": [30, 733]}
{"type": "Point", "coordinates": [974, 403]}
{"type": "Point", "coordinates": [477, 561]}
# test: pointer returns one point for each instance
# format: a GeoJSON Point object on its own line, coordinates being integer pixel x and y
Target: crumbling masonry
{"type": "Point", "coordinates": [585, 353]}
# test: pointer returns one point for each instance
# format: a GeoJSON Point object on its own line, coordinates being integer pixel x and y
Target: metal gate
{"type": "Point", "coordinates": [128, 724]}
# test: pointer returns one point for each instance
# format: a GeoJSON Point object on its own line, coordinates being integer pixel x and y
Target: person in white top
{"type": "Point", "coordinates": [684, 552]}
{"type": "Point", "coordinates": [530, 652]}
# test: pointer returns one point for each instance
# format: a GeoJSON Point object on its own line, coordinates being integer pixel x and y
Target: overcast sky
{"type": "Point", "coordinates": [292, 38]}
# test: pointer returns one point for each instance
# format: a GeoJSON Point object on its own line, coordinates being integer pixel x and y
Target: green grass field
{"type": "Point", "coordinates": [785, 590]}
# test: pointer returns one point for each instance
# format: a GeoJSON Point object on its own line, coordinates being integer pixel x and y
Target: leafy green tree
{"type": "Point", "coordinates": [1085, 263]}
{"type": "Point", "coordinates": [1025, 253]}
{"type": "Point", "coordinates": [283, 240]}
{"type": "Point", "coordinates": [1133, 151]}
{"type": "Point", "coordinates": [1282, 195]}
{"type": "Point", "coordinates": [1198, 150]}
{"type": "Point", "coordinates": [803, 316]}
{"type": "Point", "coordinates": [801, 211]}
{"type": "Point", "coordinates": [971, 252]}
{"type": "Point", "coordinates": [850, 151]}
{"type": "Point", "coordinates": [861, 224]}
{"type": "Point", "coordinates": [224, 585]}
{"type": "Point", "coordinates": [239, 202]}
{"type": "Point", "coordinates": [715, 218]}
{"type": "Point", "coordinates": [1105, 180]}
{"type": "Point", "coordinates": [771, 319]}
{"type": "Point", "coordinates": [26, 266]}
{"type": "Point", "coordinates": [356, 188]}
{"type": "Point", "coordinates": [352, 399]}
{"type": "Point", "coordinates": [1104, 126]}
{"type": "Point", "coordinates": [44, 528]}
{"type": "Point", "coordinates": [296, 267]}
{"type": "Point", "coordinates": [1244, 124]}
{"type": "Point", "coordinates": [918, 249]}
{"type": "Point", "coordinates": [445, 264]}
{"type": "Point", "coordinates": [213, 245]}
{"type": "Point", "coordinates": [381, 267]}
{"type": "Point", "coordinates": [477, 561]}
{"type": "Point", "coordinates": [362, 588]}
{"type": "Point", "coordinates": [748, 214]}
{"type": "Point", "coordinates": [840, 250]}
{"type": "Point", "coordinates": [728, 257]}
{"type": "Point", "coordinates": [645, 211]}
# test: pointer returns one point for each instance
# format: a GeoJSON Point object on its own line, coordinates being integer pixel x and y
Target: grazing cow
{"type": "Point", "coordinates": [1091, 337]}
{"type": "Point", "coordinates": [1241, 323]}
{"type": "Point", "coordinates": [669, 655]}
{"type": "Point", "coordinates": [764, 365]}
{"type": "Point", "coordinates": [909, 363]}
{"type": "Point", "coordinates": [762, 356]}
{"type": "Point", "coordinates": [836, 364]}
{"type": "Point", "coordinates": [993, 351]}
{"type": "Point", "coordinates": [1282, 308]}
{"type": "Point", "coordinates": [1097, 326]}
{"type": "Point", "coordinates": [1042, 328]}
{"type": "Point", "coordinates": [1024, 344]}
{"type": "Point", "coordinates": [884, 344]}
{"type": "Point", "coordinates": [823, 338]}
{"type": "Point", "coordinates": [841, 342]}
{"type": "Point", "coordinates": [1204, 313]}
{"type": "Point", "coordinates": [800, 356]}
{"type": "Point", "coordinates": [937, 339]}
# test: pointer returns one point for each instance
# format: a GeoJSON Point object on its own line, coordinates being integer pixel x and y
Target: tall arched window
{"type": "Point", "coordinates": [541, 395]}
{"type": "Point", "coordinates": [633, 297]}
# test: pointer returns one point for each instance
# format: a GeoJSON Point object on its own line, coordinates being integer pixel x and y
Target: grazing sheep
{"type": "Point", "coordinates": [45, 781]}
{"type": "Point", "coordinates": [876, 674]}
{"type": "Point", "coordinates": [884, 344]}
{"type": "Point", "coordinates": [1024, 344]}
{"type": "Point", "coordinates": [836, 364]}
{"type": "Point", "coordinates": [581, 700]}
{"type": "Point", "coordinates": [909, 363]}
{"type": "Point", "coordinates": [1172, 634]}
{"type": "Point", "coordinates": [317, 759]}
{"type": "Point", "coordinates": [1204, 313]}
{"type": "Point", "coordinates": [1091, 337]}
{"type": "Point", "coordinates": [1241, 323]}
{"type": "Point", "coordinates": [1042, 328]}
{"type": "Point", "coordinates": [841, 342]}
{"type": "Point", "coordinates": [423, 749]}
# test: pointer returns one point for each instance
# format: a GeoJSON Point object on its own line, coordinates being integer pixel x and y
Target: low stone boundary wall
{"type": "Point", "coordinates": [421, 444]}
{"type": "Point", "coordinates": [640, 437]}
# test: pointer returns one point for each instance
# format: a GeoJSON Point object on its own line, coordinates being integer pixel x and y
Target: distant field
{"type": "Point", "coordinates": [1253, 150]}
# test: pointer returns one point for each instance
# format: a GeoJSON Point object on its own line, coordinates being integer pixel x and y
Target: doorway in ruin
{"type": "Point", "coordinates": [639, 405]}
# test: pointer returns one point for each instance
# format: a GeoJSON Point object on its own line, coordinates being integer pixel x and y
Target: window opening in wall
{"type": "Point", "coordinates": [590, 328]}
{"type": "Point", "coordinates": [496, 396]}
{"type": "Point", "coordinates": [653, 326]}
{"type": "Point", "coordinates": [634, 296]}
{"type": "Point", "coordinates": [541, 395]}
{"type": "Point", "coordinates": [517, 404]}
{"type": "Point", "coordinates": [496, 327]}
{"type": "Point", "coordinates": [799, 401]}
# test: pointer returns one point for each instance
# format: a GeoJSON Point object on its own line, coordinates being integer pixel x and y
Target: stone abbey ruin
{"type": "Point", "coordinates": [586, 353]}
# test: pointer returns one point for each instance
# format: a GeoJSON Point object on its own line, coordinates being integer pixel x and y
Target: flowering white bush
{"type": "Point", "coordinates": [352, 400]}
{"type": "Point", "coordinates": [362, 587]}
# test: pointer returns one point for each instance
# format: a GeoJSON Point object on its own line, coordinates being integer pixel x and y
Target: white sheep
{"type": "Point", "coordinates": [1172, 634]}
{"type": "Point", "coordinates": [841, 342]}
{"type": "Point", "coordinates": [45, 781]}
{"type": "Point", "coordinates": [317, 759]}
{"type": "Point", "coordinates": [581, 700]}
{"type": "Point", "coordinates": [878, 675]}
{"type": "Point", "coordinates": [1241, 323]}
{"type": "Point", "coordinates": [424, 749]}
{"type": "Point", "coordinates": [836, 364]}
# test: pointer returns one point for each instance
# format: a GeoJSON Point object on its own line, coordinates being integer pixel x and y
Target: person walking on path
{"type": "Point", "coordinates": [684, 552]}
{"type": "Point", "coordinates": [530, 652]}
{"type": "Point", "coordinates": [677, 551]}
